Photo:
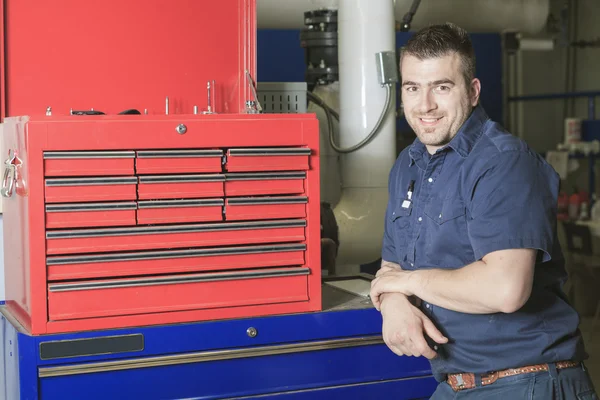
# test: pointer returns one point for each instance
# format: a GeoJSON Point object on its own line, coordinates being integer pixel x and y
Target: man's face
{"type": "Point", "coordinates": [436, 99]}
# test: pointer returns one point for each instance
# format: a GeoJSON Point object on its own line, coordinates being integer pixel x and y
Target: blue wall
{"type": "Point", "coordinates": [281, 59]}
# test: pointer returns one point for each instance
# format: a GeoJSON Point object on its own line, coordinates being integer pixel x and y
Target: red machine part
{"type": "Point", "coordinates": [95, 248]}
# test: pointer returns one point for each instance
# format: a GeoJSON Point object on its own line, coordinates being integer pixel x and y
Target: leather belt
{"type": "Point", "coordinates": [464, 381]}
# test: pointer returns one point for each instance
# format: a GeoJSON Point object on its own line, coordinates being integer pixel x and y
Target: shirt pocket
{"type": "Point", "coordinates": [442, 211]}
{"type": "Point", "coordinates": [401, 228]}
{"type": "Point", "coordinates": [447, 243]}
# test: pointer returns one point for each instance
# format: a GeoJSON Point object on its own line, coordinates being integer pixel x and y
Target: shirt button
{"type": "Point", "coordinates": [440, 215]}
{"type": "Point", "coordinates": [427, 305]}
{"type": "Point", "coordinates": [420, 219]}
{"type": "Point", "coordinates": [412, 265]}
{"type": "Point", "coordinates": [435, 347]}
{"type": "Point", "coordinates": [430, 180]}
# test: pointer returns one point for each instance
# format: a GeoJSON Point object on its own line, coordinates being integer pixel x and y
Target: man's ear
{"type": "Point", "coordinates": [475, 90]}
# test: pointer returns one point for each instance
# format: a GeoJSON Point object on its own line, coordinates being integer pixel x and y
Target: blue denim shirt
{"type": "Point", "coordinates": [484, 191]}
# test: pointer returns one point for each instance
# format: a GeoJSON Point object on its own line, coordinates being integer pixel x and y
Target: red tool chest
{"type": "Point", "coordinates": [196, 208]}
{"type": "Point", "coordinates": [126, 237]}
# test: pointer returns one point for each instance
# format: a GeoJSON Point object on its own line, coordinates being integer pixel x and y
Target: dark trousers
{"type": "Point", "coordinates": [564, 384]}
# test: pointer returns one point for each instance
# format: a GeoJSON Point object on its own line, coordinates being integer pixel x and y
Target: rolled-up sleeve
{"type": "Point", "coordinates": [513, 205]}
{"type": "Point", "coordinates": [388, 250]}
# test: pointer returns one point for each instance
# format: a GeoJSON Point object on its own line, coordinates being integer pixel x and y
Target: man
{"type": "Point", "coordinates": [472, 269]}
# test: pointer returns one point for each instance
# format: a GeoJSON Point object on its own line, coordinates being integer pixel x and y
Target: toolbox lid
{"type": "Point", "coordinates": [117, 55]}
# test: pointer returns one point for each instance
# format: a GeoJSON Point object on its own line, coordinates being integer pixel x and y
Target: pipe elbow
{"type": "Point", "coordinates": [360, 216]}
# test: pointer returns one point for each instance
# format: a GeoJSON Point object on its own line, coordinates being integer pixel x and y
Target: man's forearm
{"type": "Point", "coordinates": [476, 289]}
{"type": "Point", "coordinates": [388, 264]}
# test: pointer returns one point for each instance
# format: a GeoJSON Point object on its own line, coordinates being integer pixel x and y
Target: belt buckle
{"type": "Point", "coordinates": [461, 381]}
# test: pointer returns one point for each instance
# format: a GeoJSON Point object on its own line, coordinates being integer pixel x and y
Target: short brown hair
{"type": "Point", "coordinates": [440, 40]}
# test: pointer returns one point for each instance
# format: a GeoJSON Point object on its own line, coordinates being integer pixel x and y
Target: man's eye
{"type": "Point", "coordinates": [411, 89]}
{"type": "Point", "coordinates": [443, 88]}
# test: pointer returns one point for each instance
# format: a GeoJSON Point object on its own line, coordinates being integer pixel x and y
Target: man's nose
{"type": "Point", "coordinates": [427, 102]}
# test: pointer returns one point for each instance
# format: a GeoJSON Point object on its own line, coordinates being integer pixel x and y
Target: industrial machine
{"type": "Point", "coordinates": [163, 228]}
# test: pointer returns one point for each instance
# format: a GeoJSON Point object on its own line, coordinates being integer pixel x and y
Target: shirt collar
{"type": "Point", "coordinates": [464, 141]}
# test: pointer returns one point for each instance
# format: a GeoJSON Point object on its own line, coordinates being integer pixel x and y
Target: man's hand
{"type": "Point", "coordinates": [387, 266]}
{"type": "Point", "coordinates": [391, 281]}
{"type": "Point", "coordinates": [404, 326]}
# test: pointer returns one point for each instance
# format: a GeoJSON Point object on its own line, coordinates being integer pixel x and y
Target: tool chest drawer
{"type": "Point", "coordinates": [79, 215]}
{"type": "Point", "coordinates": [267, 159]}
{"type": "Point", "coordinates": [179, 211]}
{"type": "Point", "coordinates": [174, 261]}
{"type": "Point", "coordinates": [178, 161]}
{"type": "Point", "coordinates": [249, 208]}
{"type": "Point", "coordinates": [264, 183]}
{"type": "Point", "coordinates": [72, 190]}
{"type": "Point", "coordinates": [173, 236]}
{"type": "Point", "coordinates": [130, 296]}
{"type": "Point", "coordinates": [88, 163]}
{"type": "Point", "coordinates": [180, 186]}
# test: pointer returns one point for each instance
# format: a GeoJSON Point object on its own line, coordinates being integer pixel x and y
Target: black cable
{"type": "Point", "coordinates": [407, 19]}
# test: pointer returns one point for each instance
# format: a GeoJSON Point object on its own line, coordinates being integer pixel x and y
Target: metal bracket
{"type": "Point", "coordinates": [253, 106]}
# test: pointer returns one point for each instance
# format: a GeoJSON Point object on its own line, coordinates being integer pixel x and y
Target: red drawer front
{"type": "Point", "coordinates": [257, 184]}
{"type": "Point", "coordinates": [267, 159]}
{"type": "Point", "coordinates": [81, 215]}
{"type": "Point", "coordinates": [173, 236]}
{"type": "Point", "coordinates": [66, 190]}
{"type": "Point", "coordinates": [248, 208]}
{"type": "Point", "coordinates": [174, 293]}
{"type": "Point", "coordinates": [178, 161]}
{"type": "Point", "coordinates": [179, 211]}
{"type": "Point", "coordinates": [180, 186]}
{"type": "Point", "coordinates": [174, 261]}
{"type": "Point", "coordinates": [88, 163]}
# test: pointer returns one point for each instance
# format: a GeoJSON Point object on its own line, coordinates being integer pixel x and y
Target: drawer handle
{"type": "Point", "coordinates": [179, 153]}
{"type": "Point", "coordinates": [264, 176]}
{"type": "Point", "coordinates": [173, 254]}
{"type": "Point", "coordinates": [181, 178]}
{"type": "Point", "coordinates": [146, 204]}
{"type": "Point", "coordinates": [174, 280]}
{"type": "Point", "coordinates": [210, 355]}
{"type": "Point", "coordinates": [270, 152]}
{"type": "Point", "coordinates": [91, 207]}
{"type": "Point", "coordinates": [10, 174]}
{"type": "Point", "coordinates": [247, 201]}
{"type": "Point", "coordinates": [91, 181]}
{"type": "Point", "coordinates": [65, 155]}
{"type": "Point", "coordinates": [208, 227]}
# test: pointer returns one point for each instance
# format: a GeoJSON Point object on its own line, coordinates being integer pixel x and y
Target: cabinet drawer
{"type": "Point", "coordinates": [88, 163]}
{"type": "Point", "coordinates": [67, 190]}
{"type": "Point", "coordinates": [247, 208]}
{"type": "Point", "coordinates": [176, 292]}
{"type": "Point", "coordinates": [173, 236]}
{"type": "Point", "coordinates": [180, 186]}
{"type": "Point", "coordinates": [174, 261]}
{"type": "Point", "coordinates": [267, 159]}
{"type": "Point", "coordinates": [179, 211]}
{"type": "Point", "coordinates": [257, 184]}
{"type": "Point", "coordinates": [178, 161]}
{"type": "Point", "coordinates": [78, 215]}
